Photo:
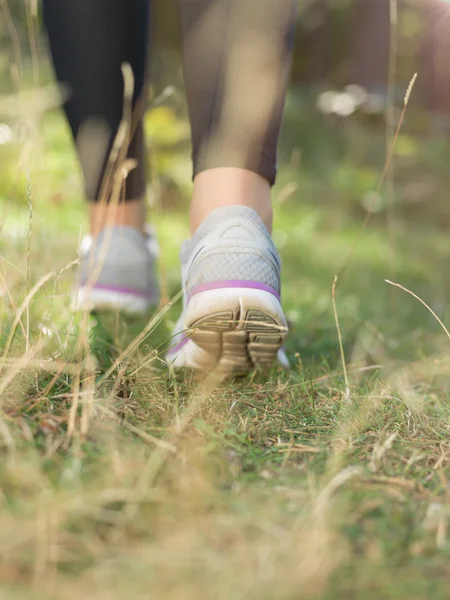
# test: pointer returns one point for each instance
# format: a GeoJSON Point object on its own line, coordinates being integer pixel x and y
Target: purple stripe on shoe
{"type": "Point", "coordinates": [233, 283]}
{"type": "Point", "coordinates": [178, 346]}
{"type": "Point", "coordinates": [119, 290]}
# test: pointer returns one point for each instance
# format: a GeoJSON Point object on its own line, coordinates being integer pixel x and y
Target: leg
{"type": "Point", "coordinates": [89, 40]}
{"type": "Point", "coordinates": [236, 62]}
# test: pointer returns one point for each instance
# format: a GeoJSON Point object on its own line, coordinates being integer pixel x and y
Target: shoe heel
{"type": "Point", "coordinates": [241, 328]}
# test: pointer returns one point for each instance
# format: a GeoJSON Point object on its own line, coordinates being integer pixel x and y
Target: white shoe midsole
{"type": "Point", "coordinates": [204, 304]}
{"type": "Point", "coordinates": [92, 298]}
{"type": "Point", "coordinates": [208, 303]}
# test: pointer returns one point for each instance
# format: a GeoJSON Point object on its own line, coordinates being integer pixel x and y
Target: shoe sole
{"type": "Point", "coordinates": [241, 328]}
{"type": "Point", "coordinates": [102, 299]}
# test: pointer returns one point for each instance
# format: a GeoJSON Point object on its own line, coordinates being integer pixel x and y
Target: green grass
{"type": "Point", "coordinates": [145, 485]}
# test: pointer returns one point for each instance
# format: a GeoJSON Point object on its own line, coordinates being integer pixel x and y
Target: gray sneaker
{"type": "Point", "coordinates": [232, 315]}
{"type": "Point", "coordinates": [117, 271]}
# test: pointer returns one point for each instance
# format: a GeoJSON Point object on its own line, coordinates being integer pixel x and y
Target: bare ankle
{"type": "Point", "coordinates": [125, 214]}
{"type": "Point", "coordinates": [220, 187]}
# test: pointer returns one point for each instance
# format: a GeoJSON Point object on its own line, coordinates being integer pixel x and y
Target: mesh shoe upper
{"type": "Point", "coordinates": [232, 245]}
{"type": "Point", "coordinates": [120, 259]}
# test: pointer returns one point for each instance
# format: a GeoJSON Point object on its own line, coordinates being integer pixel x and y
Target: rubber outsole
{"type": "Point", "coordinates": [243, 337]}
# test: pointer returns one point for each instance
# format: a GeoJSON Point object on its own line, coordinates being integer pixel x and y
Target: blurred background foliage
{"type": "Point", "coordinates": [339, 43]}
{"type": "Point", "coordinates": [341, 111]}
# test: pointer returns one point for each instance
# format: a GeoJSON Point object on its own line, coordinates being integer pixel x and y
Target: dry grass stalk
{"type": "Point", "coordinates": [341, 346]}
{"type": "Point", "coordinates": [37, 286]}
{"type": "Point", "coordinates": [30, 233]}
{"type": "Point", "coordinates": [422, 302]}
{"type": "Point", "coordinates": [151, 325]}
{"type": "Point", "coordinates": [387, 166]}
{"type": "Point", "coordinates": [381, 180]}
{"type": "Point", "coordinates": [390, 118]}
{"type": "Point", "coordinates": [17, 70]}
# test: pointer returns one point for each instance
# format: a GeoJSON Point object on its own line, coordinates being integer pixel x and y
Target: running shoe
{"type": "Point", "coordinates": [232, 316]}
{"type": "Point", "coordinates": [117, 271]}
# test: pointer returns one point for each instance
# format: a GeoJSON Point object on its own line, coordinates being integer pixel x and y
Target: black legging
{"type": "Point", "coordinates": [237, 56]}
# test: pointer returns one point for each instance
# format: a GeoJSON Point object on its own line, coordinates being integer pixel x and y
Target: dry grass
{"type": "Point", "coordinates": [122, 480]}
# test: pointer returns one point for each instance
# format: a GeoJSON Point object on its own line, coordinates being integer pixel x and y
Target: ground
{"type": "Point", "coordinates": [119, 479]}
